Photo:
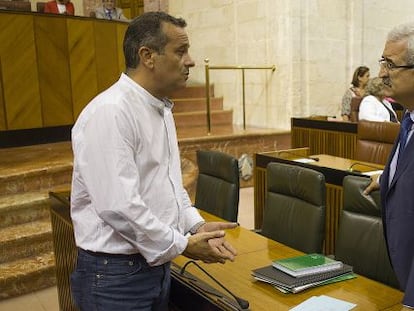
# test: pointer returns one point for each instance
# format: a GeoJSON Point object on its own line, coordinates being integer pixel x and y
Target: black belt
{"type": "Point", "coordinates": [109, 255]}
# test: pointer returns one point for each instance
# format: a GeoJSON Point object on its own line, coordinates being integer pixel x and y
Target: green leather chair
{"type": "Point", "coordinates": [218, 184]}
{"type": "Point", "coordinates": [360, 240]}
{"type": "Point", "coordinates": [294, 212]}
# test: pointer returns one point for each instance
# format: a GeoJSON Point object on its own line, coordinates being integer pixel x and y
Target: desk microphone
{"type": "Point", "coordinates": [300, 155]}
{"type": "Point", "coordinates": [351, 168]}
{"type": "Point", "coordinates": [244, 304]}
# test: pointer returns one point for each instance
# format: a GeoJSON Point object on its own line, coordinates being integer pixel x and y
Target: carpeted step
{"type": "Point", "coordinates": [191, 91]}
{"type": "Point", "coordinates": [21, 208]}
{"type": "Point", "coordinates": [25, 170]}
{"type": "Point", "coordinates": [26, 275]}
{"type": "Point", "coordinates": [197, 118]}
{"type": "Point", "coordinates": [196, 104]}
{"type": "Point", "coordinates": [25, 240]}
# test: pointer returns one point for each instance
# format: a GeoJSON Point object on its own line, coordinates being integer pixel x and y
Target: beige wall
{"type": "Point", "coordinates": [315, 44]}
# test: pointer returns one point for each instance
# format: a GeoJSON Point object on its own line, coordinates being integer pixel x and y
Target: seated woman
{"type": "Point", "coordinates": [109, 11]}
{"type": "Point", "coordinates": [359, 81]}
{"type": "Point", "coordinates": [60, 7]}
{"type": "Point", "coordinates": [374, 106]}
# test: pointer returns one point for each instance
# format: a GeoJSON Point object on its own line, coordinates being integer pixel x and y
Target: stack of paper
{"type": "Point", "coordinates": [324, 303]}
{"type": "Point", "coordinates": [296, 274]}
{"type": "Point", "coordinates": [307, 265]}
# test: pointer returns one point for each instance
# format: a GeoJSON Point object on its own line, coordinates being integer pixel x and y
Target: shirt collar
{"type": "Point", "coordinates": [158, 104]}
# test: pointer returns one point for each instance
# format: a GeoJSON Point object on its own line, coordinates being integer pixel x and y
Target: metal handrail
{"type": "Point", "coordinates": [242, 68]}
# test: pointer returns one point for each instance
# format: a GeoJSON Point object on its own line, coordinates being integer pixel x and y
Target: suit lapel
{"type": "Point", "coordinates": [403, 161]}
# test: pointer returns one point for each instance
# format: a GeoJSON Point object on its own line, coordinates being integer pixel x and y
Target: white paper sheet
{"type": "Point", "coordinates": [324, 303]}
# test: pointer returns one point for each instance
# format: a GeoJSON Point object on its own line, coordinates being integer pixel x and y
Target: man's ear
{"type": "Point", "coordinates": [146, 56]}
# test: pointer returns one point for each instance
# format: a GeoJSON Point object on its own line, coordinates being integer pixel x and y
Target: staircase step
{"type": "Point", "coordinates": [218, 117]}
{"type": "Point", "coordinates": [197, 104]}
{"type": "Point", "coordinates": [41, 179]}
{"type": "Point", "coordinates": [21, 208]}
{"type": "Point", "coordinates": [23, 170]}
{"type": "Point", "coordinates": [26, 275]}
{"type": "Point", "coordinates": [25, 240]}
{"type": "Point", "coordinates": [193, 91]}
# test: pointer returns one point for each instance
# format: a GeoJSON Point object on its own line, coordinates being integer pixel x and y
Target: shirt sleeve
{"type": "Point", "coordinates": [113, 180]}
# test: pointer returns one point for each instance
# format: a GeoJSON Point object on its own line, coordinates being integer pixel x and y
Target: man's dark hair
{"type": "Point", "coordinates": [146, 30]}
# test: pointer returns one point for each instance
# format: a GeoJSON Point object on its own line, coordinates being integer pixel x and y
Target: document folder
{"type": "Point", "coordinates": [288, 283]}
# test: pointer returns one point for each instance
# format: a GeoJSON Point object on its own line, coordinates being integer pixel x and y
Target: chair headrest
{"type": "Point", "coordinates": [296, 181]}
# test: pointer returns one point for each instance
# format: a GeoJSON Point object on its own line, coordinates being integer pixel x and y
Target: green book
{"type": "Point", "coordinates": [307, 265]}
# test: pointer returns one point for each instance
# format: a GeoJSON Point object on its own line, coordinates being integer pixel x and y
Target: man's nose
{"type": "Point", "coordinates": [382, 72]}
{"type": "Point", "coordinates": [189, 61]}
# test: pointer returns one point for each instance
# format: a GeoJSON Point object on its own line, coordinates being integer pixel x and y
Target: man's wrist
{"type": "Point", "coordinates": [197, 226]}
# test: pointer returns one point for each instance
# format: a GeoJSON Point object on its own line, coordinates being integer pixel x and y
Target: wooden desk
{"type": "Point", "coordinates": [253, 251]}
{"type": "Point", "coordinates": [334, 169]}
{"type": "Point", "coordinates": [366, 293]}
{"type": "Point", "coordinates": [337, 138]}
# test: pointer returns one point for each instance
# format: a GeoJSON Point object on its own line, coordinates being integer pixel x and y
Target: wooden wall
{"type": "Point", "coordinates": [51, 66]}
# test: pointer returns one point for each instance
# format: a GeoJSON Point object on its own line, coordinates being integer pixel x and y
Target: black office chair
{"type": "Point", "coordinates": [294, 212]}
{"type": "Point", "coordinates": [218, 184]}
{"type": "Point", "coordinates": [360, 240]}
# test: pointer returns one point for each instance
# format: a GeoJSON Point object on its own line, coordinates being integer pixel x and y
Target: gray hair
{"type": "Point", "coordinates": [401, 32]}
{"type": "Point", "coordinates": [374, 87]}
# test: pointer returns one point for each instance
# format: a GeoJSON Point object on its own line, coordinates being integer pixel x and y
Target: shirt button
{"type": "Point", "coordinates": [131, 263]}
{"type": "Point", "coordinates": [105, 262]}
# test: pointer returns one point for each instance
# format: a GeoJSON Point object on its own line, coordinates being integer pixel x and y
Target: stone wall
{"type": "Point", "coordinates": [315, 45]}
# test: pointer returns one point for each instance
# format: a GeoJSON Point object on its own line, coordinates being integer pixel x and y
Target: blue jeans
{"type": "Point", "coordinates": [105, 282]}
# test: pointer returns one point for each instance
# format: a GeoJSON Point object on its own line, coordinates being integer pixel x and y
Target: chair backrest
{"type": "Point", "coordinates": [295, 207]}
{"type": "Point", "coordinates": [16, 5]}
{"type": "Point", "coordinates": [355, 103]}
{"type": "Point", "coordinates": [218, 184]}
{"type": "Point", "coordinates": [375, 141]}
{"type": "Point", "coordinates": [360, 240]}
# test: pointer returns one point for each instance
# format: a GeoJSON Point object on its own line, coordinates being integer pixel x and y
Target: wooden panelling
{"type": "Point", "coordinates": [120, 32]}
{"type": "Point", "coordinates": [325, 137]}
{"type": "Point", "coordinates": [106, 43]}
{"type": "Point", "coordinates": [82, 60]}
{"type": "Point", "coordinates": [54, 72]}
{"type": "Point", "coordinates": [51, 66]}
{"type": "Point", "coordinates": [3, 120]}
{"type": "Point", "coordinates": [21, 96]}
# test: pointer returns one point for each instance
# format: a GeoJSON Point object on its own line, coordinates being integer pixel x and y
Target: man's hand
{"type": "Point", "coordinates": [214, 226]}
{"type": "Point", "coordinates": [209, 245]}
{"type": "Point", "coordinates": [374, 185]}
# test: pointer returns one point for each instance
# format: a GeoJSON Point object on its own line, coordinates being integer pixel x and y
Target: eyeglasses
{"type": "Point", "coordinates": [391, 66]}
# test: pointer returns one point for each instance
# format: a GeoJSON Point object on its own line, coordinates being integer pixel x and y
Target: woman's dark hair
{"type": "Point", "coordinates": [146, 30]}
{"type": "Point", "coordinates": [359, 72]}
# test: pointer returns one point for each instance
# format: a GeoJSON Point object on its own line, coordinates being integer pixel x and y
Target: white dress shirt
{"type": "Point", "coordinates": [371, 109]}
{"type": "Point", "coordinates": [127, 193]}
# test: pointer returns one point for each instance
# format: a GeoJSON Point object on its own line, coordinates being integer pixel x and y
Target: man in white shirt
{"type": "Point", "coordinates": [129, 209]}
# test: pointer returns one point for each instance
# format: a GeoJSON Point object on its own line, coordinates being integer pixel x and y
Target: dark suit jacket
{"type": "Point", "coordinates": [398, 218]}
